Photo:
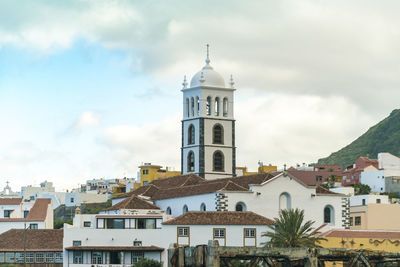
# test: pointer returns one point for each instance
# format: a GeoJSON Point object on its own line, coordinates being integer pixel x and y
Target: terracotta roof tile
{"type": "Point", "coordinates": [199, 189]}
{"type": "Point", "coordinates": [36, 240]}
{"type": "Point", "coordinates": [135, 203]}
{"type": "Point", "coordinates": [39, 210]}
{"type": "Point", "coordinates": [310, 177]}
{"type": "Point", "coordinates": [219, 218]}
{"type": "Point", "coordinates": [10, 201]}
{"type": "Point", "coordinates": [322, 190]}
{"type": "Point", "coordinates": [362, 234]}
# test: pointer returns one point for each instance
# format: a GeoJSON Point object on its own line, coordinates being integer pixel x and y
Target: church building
{"type": "Point", "coordinates": [208, 125]}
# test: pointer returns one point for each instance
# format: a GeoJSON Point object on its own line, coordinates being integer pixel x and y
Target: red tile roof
{"type": "Point", "coordinates": [362, 234]}
{"type": "Point", "coordinates": [36, 240]}
{"type": "Point", "coordinates": [310, 177]}
{"type": "Point", "coordinates": [219, 218]}
{"type": "Point", "coordinates": [134, 203]}
{"type": "Point", "coordinates": [10, 201]}
{"type": "Point", "coordinates": [39, 210]}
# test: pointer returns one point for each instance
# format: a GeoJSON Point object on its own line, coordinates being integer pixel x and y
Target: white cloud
{"type": "Point", "coordinates": [85, 120]}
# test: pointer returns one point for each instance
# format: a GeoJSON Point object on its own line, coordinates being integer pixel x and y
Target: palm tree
{"type": "Point", "coordinates": [289, 231]}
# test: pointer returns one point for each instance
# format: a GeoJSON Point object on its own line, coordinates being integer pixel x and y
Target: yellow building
{"type": "Point", "coordinates": [242, 171]}
{"type": "Point", "coordinates": [150, 172]}
{"type": "Point", "coordinates": [375, 216]}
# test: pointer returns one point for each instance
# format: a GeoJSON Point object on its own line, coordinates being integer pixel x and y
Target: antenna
{"type": "Point", "coordinates": [208, 54]}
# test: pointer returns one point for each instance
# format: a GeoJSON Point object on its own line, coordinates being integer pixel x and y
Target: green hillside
{"type": "Point", "coordinates": [383, 137]}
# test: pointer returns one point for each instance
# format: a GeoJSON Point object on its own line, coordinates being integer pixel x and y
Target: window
{"type": "Point", "coordinates": [363, 202]}
{"type": "Point", "coordinates": [187, 107]}
{"type": "Point", "coordinates": [19, 257]}
{"type": "Point", "coordinates": [225, 107]}
{"type": "Point", "coordinates": [97, 257]}
{"type": "Point", "coordinates": [49, 257]}
{"type": "Point", "coordinates": [357, 220]}
{"type": "Point", "coordinates": [59, 257]}
{"type": "Point", "coordinates": [39, 257]}
{"type": "Point", "coordinates": [26, 212]}
{"type": "Point", "coordinates": [191, 134]}
{"type": "Point", "coordinates": [137, 243]}
{"type": "Point", "coordinates": [1, 257]}
{"type": "Point", "coordinates": [216, 108]}
{"type": "Point", "coordinates": [208, 105]}
{"type": "Point", "coordinates": [100, 223]}
{"type": "Point", "coordinates": [183, 231]}
{"type": "Point", "coordinates": [72, 200]}
{"type": "Point", "coordinates": [250, 232]}
{"type": "Point", "coordinates": [192, 106]}
{"type": "Point", "coordinates": [169, 212]}
{"type": "Point", "coordinates": [7, 213]}
{"type": "Point", "coordinates": [145, 182]}
{"type": "Point", "coordinates": [218, 160]}
{"type": "Point", "coordinates": [30, 257]}
{"type": "Point", "coordinates": [115, 223]}
{"type": "Point", "coordinates": [285, 201]}
{"type": "Point", "coordinates": [185, 209]}
{"type": "Point", "coordinates": [137, 255]}
{"type": "Point", "coordinates": [10, 257]}
{"type": "Point", "coordinates": [203, 207]}
{"type": "Point", "coordinates": [197, 105]}
{"type": "Point", "coordinates": [219, 232]}
{"type": "Point", "coordinates": [328, 214]}
{"type": "Point", "coordinates": [240, 206]}
{"type": "Point", "coordinates": [76, 243]}
{"type": "Point", "coordinates": [146, 223]}
{"type": "Point", "coordinates": [351, 221]}
{"type": "Point", "coordinates": [86, 224]}
{"type": "Point", "coordinates": [33, 226]}
{"type": "Point", "coordinates": [378, 201]}
{"type": "Point", "coordinates": [77, 257]}
{"type": "Point", "coordinates": [218, 133]}
{"type": "Point", "coordinates": [190, 162]}
{"type": "Point", "coordinates": [144, 171]}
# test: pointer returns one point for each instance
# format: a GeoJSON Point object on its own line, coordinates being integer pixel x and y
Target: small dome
{"type": "Point", "coordinates": [209, 77]}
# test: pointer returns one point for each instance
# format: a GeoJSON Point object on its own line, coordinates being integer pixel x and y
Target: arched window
{"type": "Point", "coordinates": [197, 106]}
{"type": "Point", "coordinates": [329, 214]}
{"type": "Point", "coordinates": [187, 107]}
{"type": "Point", "coordinates": [225, 107]}
{"type": "Point", "coordinates": [168, 211]}
{"type": "Point", "coordinates": [191, 134]}
{"type": "Point", "coordinates": [216, 108]}
{"type": "Point", "coordinates": [192, 106]}
{"type": "Point", "coordinates": [285, 201]}
{"type": "Point", "coordinates": [218, 134]}
{"type": "Point", "coordinates": [208, 105]}
{"type": "Point", "coordinates": [203, 207]}
{"type": "Point", "coordinates": [185, 209]}
{"type": "Point", "coordinates": [190, 162]}
{"type": "Point", "coordinates": [218, 160]}
{"type": "Point", "coordinates": [240, 206]}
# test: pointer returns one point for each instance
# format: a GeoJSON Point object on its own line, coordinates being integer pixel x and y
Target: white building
{"type": "Point", "coordinates": [386, 178]}
{"type": "Point", "coordinates": [17, 214]}
{"type": "Point", "coordinates": [29, 192]}
{"type": "Point", "coordinates": [264, 194]}
{"type": "Point", "coordinates": [134, 228]}
{"type": "Point", "coordinates": [208, 125]}
{"type": "Point", "coordinates": [364, 200]}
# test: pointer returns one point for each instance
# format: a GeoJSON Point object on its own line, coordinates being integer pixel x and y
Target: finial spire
{"type": "Point", "coordinates": [208, 55]}
{"type": "Point", "coordinates": [232, 83]}
{"type": "Point", "coordinates": [184, 84]}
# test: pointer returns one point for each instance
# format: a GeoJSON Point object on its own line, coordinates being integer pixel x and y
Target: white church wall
{"type": "Point", "coordinates": [193, 203]}
{"type": "Point", "coordinates": [267, 202]}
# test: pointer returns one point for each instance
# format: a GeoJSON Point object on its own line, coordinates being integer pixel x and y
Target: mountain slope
{"type": "Point", "coordinates": [383, 137]}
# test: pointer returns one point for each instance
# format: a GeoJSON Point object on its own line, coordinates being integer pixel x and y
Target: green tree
{"type": "Point", "coordinates": [290, 231]}
{"type": "Point", "coordinates": [147, 263]}
{"type": "Point", "coordinates": [362, 189]}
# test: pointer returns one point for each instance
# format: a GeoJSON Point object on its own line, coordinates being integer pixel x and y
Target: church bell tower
{"type": "Point", "coordinates": [208, 126]}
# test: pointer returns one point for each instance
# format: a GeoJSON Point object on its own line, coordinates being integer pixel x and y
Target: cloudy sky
{"type": "Point", "coordinates": [91, 89]}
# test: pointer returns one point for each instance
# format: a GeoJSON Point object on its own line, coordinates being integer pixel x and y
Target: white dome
{"type": "Point", "coordinates": [209, 77]}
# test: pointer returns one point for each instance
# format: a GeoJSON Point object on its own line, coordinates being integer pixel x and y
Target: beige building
{"type": "Point", "coordinates": [375, 216]}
